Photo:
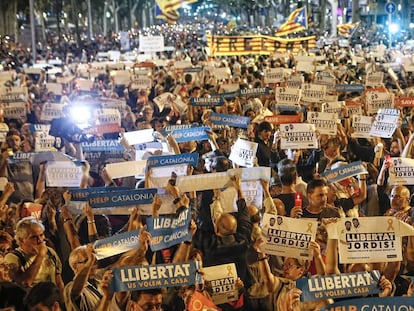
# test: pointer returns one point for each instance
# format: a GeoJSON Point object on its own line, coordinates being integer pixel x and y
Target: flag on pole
{"type": "Point", "coordinates": [347, 30]}
{"type": "Point", "coordinates": [297, 21]}
{"type": "Point", "coordinates": [167, 9]}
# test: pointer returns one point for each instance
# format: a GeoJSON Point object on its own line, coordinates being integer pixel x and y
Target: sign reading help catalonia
{"type": "Point", "coordinates": [116, 244]}
{"type": "Point", "coordinates": [167, 231]}
{"type": "Point", "coordinates": [155, 276]}
{"type": "Point", "coordinates": [122, 198]}
{"type": "Point", "coordinates": [373, 304]}
{"type": "Point", "coordinates": [344, 172]}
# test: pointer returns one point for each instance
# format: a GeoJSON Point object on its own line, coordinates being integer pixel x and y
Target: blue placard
{"type": "Point", "coordinates": [194, 133]}
{"type": "Point", "coordinates": [167, 231]}
{"type": "Point", "coordinates": [215, 100]}
{"type": "Point", "coordinates": [155, 276]}
{"type": "Point", "coordinates": [169, 128]}
{"type": "Point", "coordinates": [102, 145]}
{"type": "Point", "coordinates": [122, 198]}
{"type": "Point", "coordinates": [229, 95]}
{"type": "Point", "coordinates": [21, 157]}
{"type": "Point", "coordinates": [372, 304]}
{"type": "Point", "coordinates": [344, 172]}
{"type": "Point", "coordinates": [82, 194]}
{"type": "Point", "coordinates": [229, 119]}
{"type": "Point", "coordinates": [339, 285]}
{"type": "Point", "coordinates": [193, 69]}
{"type": "Point", "coordinates": [175, 159]}
{"type": "Point", "coordinates": [350, 88]}
{"type": "Point", "coordinates": [257, 91]}
{"type": "Point", "coordinates": [116, 244]}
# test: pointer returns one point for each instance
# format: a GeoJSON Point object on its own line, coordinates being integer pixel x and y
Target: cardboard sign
{"type": "Point", "coordinates": [223, 282]}
{"type": "Point", "coordinates": [374, 79]}
{"type": "Point", "coordinates": [385, 123]}
{"type": "Point", "coordinates": [14, 110]}
{"type": "Point", "coordinates": [139, 137]}
{"type": "Point", "coordinates": [325, 122]}
{"type": "Point", "coordinates": [258, 91]}
{"type": "Point", "coordinates": [122, 198]}
{"type": "Point", "coordinates": [370, 239]}
{"type": "Point", "coordinates": [344, 172]}
{"type": "Point", "coordinates": [274, 75]}
{"type": "Point", "coordinates": [361, 126]}
{"type": "Point", "coordinates": [116, 244]}
{"type": "Point", "coordinates": [378, 100]}
{"type": "Point", "coordinates": [190, 134]}
{"type": "Point", "coordinates": [52, 111]}
{"type": "Point", "coordinates": [215, 100]}
{"type": "Point", "coordinates": [334, 107]}
{"type": "Point", "coordinates": [63, 174]}
{"type": "Point", "coordinates": [243, 152]}
{"type": "Point", "coordinates": [125, 169]}
{"type": "Point", "coordinates": [230, 120]}
{"type": "Point", "coordinates": [175, 159]}
{"type": "Point", "coordinates": [288, 237]}
{"type": "Point", "coordinates": [313, 93]}
{"type": "Point", "coordinates": [298, 136]}
{"type": "Point", "coordinates": [401, 171]}
{"type": "Point", "coordinates": [287, 96]}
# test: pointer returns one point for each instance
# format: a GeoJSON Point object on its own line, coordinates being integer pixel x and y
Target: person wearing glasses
{"type": "Point", "coordinates": [400, 204]}
{"type": "Point", "coordinates": [33, 261]}
{"type": "Point", "coordinates": [146, 300]}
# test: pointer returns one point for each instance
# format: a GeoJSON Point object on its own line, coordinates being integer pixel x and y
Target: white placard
{"type": "Point", "coordinates": [108, 116]}
{"type": "Point", "coordinates": [14, 110]}
{"type": "Point", "coordinates": [401, 171]}
{"type": "Point", "coordinates": [52, 111]}
{"type": "Point", "coordinates": [385, 123]}
{"type": "Point", "coordinates": [378, 100]}
{"type": "Point", "coordinates": [63, 174]}
{"type": "Point", "coordinates": [325, 123]}
{"type": "Point", "coordinates": [151, 44]}
{"type": "Point", "coordinates": [139, 137]}
{"type": "Point", "coordinates": [243, 152]}
{"type": "Point", "coordinates": [274, 75]}
{"type": "Point", "coordinates": [287, 96]}
{"type": "Point", "coordinates": [288, 237]}
{"type": "Point", "coordinates": [374, 79]}
{"type": "Point", "coordinates": [298, 136]}
{"type": "Point", "coordinates": [219, 275]}
{"type": "Point", "coordinates": [125, 169]}
{"type": "Point", "coordinates": [333, 107]}
{"type": "Point", "coordinates": [361, 126]}
{"type": "Point", "coordinates": [313, 93]}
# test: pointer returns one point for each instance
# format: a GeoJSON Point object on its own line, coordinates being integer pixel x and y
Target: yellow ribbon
{"type": "Point", "coordinates": [390, 227]}
{"type": "Point", "coordinates": [309, 227]}
{"type": "Point", "coordinates": [230, 273]}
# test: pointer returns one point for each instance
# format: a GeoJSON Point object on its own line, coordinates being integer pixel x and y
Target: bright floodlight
{"type": "Point", "coordinates": [80, 114]}
{"type": "Point", "coordinates": [394, 28]}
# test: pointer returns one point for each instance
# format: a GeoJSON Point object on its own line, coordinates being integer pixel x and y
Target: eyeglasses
{"type": "Point", "coordinates": [289, 265]}
{"type": "Point", "coordinates": [395, 196]}
{"type": "Point", "coordinates": [150, 307]}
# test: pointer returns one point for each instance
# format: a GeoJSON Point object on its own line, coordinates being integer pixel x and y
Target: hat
{"type": "Point", "coordinates": [13, 132]}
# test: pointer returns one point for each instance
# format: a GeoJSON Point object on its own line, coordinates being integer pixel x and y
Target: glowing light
{"type": "Point", "coordinates": [394, 28]}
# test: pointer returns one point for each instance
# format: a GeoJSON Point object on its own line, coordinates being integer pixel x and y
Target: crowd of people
{"type": "Point", "coordinates": [50, 259]}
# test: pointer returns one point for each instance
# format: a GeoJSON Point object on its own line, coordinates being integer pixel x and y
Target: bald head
{"type": "Point", "coordinates": [226, 225]}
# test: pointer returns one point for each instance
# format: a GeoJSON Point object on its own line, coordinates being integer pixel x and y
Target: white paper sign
{"type": "Point", "coordinates": [374, 79]}
{"type": "Point", "coordinates": [379, 100]}
{"type": "Point", "coordinates": [63, 174]}
{"type": "Point", "coordinates": [151, 44]}
{"type": "Point", "coordinates": [288, 237]}
{"type": "Point", "coordinates": [313, 93]}
{"type": "Point", "coordinates": [401, 171]}
{"type": "Point", "coordinates": [125, 169]}
{"type": "Point", "coordinates": [274, 75]}
{"type": "Point", "coordinates": [219, 275]}
{"type": "Point", "coordinates": [287, 96]}
{"type": "Point", "coordinates": [14, 110]}
{"type": "Point", "coordinates": [243, 152]}
{"type": "Point", "coordinates": [298, 136]}
{"type": "Point", "coordinates": [385, 123]}
{"type": "Point", "coordinates": [51, 111]}
{"type": "Point", "coordinates": [325, 123]}
{"type": "Point", "coordinates": [139, 137]}
{"type": "Point", "coordinates": [361, 126]}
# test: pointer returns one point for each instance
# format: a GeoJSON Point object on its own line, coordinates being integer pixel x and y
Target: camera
{"type": "Point", "coordinates": [67, 129]}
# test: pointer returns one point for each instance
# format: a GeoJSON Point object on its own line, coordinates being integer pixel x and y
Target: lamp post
{"type": "Point", "coordinates": [32, 29]}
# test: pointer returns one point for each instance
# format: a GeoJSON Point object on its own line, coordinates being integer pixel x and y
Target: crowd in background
{"type": "Point", "coordinates": [51, 261]}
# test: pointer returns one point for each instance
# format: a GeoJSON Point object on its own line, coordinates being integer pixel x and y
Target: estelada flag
{"type": "Point", "coordinates": [347, 30]}
{"type": "Point", "coordinates": [199, 302]}
{"type": "Point", "coordinates": [297, 21]}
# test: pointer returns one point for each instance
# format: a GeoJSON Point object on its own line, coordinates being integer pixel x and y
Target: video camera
{"type": "Point", "coordinates": [67, 129]}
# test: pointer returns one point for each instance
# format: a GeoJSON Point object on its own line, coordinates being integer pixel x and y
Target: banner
{"type": "Point", "coordinates": [401, 171]}
{"type": "Point", "coordinates": [116, 244]}
{"type": "Point", "coordinates": [159, 176]}
{"type": "Point", "coordinates": [254, 45]}
{"type": "Point", "coordinates": [286, 236]}
{"type": "Point", "coordinates": [230, 120]}
{"type": "Point", "coordinates": [63, 174]}
{"type": "Point", "coordinates": [361, 126]}
{"type": "Point", "coordinates": [283, 119]}
{"type": "Point", "coordinates": [21, 157]}
{"type": "Point", "coordinates": [122, 198]}
{"type": "Point", "coordinates": [338, 286]}
{"type": "Point", "coordinates": [325, 122]}
{"type": "Point", "coordinates": [373, 304]}
{"type": "Point", "coordinates": [222, 280]}
{"type": "Point", "coordinates": [350, 88]}
{"type": "Point", "coordinates": [344, 172]}
{"type": "Point", "coordinates": [167, 231]}
{"type": "Point", "coordinates": [155, 276]}
{"type": "Point", "coordinates": [298, 136]}
{"type": "Point", "coordinates": [243, 152]}
{"type": "Point", "coordinates": [82, 194]}
{"type": "Point", "coordinates": [385, 123]}
{"type": "Point", "coordinates": [190, 134]}
{"type": "Point", "coordinates": [102, 145]}
{"type": "Point", "coordinates": [404, 102]}
{"type": "Point", "coordinates": [370, 239]}
{"type": "Point", "coordinates": [176, 159]}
